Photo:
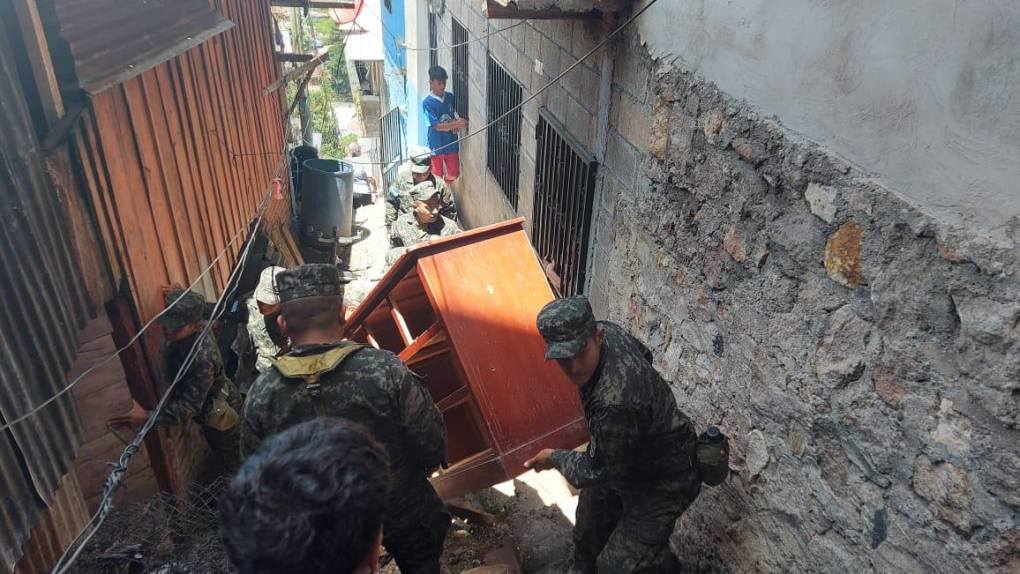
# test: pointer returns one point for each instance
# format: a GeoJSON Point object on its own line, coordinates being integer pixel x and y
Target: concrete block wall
{"type": "Point", "coordinates": [863, 357]}
{"type": "Point", "coordinates": [572, 101]}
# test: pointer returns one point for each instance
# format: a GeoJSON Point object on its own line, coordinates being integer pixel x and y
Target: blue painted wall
{"type": "Point", "coordinates": [395, 63]}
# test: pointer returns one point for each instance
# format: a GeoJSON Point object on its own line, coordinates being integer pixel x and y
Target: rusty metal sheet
{"type": "Point", "coordinates": [176, 161]}
{"type": "Point", "coordinates": [45, 303]}
{"type": "Point", "coordinates": [114, 40]}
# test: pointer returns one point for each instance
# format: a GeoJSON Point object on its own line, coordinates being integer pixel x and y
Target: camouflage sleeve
{"type": "Point", "coordinates": [608, 454]}
{"type": "Point", "coordinates": [448, 207]}
{"type": "Point", "coordinates": [188, 396]}
{"type": "Point", "coordinates": [252, 427]}
{"type": "Point", "coordinates": [422, 420]}
{"type": "Point", "coordinates": [391, 211]}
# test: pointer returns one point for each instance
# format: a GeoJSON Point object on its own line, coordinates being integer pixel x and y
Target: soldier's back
{"type": "Point", "coordinates": [364, 388]}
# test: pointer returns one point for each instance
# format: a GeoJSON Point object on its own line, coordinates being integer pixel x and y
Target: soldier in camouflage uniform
{"type": "Point", "coordinates": [417, 170]}
{"type": "Point", "coordinates": [324, 375]}
{"type": "Point", "coordinates": [636, 476]}
{"type": "Point", "coordinates": [204, 393]}
{"type": "Point", "coordinates": [423, 223]}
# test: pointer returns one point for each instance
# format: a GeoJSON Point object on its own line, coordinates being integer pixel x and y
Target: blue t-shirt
{"type": "Point", "coordinates": [440, 112]}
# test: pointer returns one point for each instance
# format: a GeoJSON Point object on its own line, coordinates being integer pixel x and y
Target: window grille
{"type": "Point", "coordinates": [391, 129]}
{"type": "Point", "coordinates": [564, 194]}
{"type": "Point", "coordinates": [460, 68]}
{"type": "Point", "coordinates": [504, 137]}
{"type": "Point", "coordinates": [433, 39]}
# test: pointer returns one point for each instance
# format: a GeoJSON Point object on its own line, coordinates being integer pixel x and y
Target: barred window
{"type": "Point", "coordinates": [564, 194]}
{"type": "Point", "coordinates": [433, 39]}
{"type": "Point", "coordinates": [460, 67]}
{"type": "Point", "coordinates": [503, 144]}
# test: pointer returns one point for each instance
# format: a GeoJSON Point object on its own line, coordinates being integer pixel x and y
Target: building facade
{"type": "Point", "coordinates": [809, 212]}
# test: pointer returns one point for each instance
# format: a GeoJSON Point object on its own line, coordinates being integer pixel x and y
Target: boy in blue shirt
{"type": "Point", "coordinates": [440, 111]}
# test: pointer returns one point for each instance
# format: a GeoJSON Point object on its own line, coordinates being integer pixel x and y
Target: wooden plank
{"type": "Point", "coordinates": [205, 155]}
{"type": "Point", "coordinates": [298, 71]}
{"type": "Point", "coordinates": [150, 172]}
{"type": "Point", "coordinates": [39, 59]}
{"type": "Point", "coordinates": [292, 57]}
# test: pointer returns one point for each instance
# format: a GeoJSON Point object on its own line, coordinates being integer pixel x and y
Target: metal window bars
{"type": "Point", "coordinates": [391, 147]}
{"type": "Point", "coordinates": [564, 196]}
{"type": "Point", "coordinates": [433, 39]}
{"type": "Point", "coordinates": [503, 143]}
{"type": "Point", "coordinates": [459, 71]}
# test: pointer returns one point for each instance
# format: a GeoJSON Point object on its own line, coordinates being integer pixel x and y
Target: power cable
{"type": "Point", "coordinates": [444, 47]}
{"type": "Point", "coordinates": [116, 477]}
{"type": "Point", "coordinates": [127, 345]}
{"type": "Point", "coordinates": [548, 85]}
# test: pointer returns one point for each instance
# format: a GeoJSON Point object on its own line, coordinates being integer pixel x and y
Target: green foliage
{"type": "Point", "coordinates": [330, 88]}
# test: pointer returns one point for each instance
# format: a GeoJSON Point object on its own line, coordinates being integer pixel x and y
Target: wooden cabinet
{"type": "Point", "coordinates": [460, 311]}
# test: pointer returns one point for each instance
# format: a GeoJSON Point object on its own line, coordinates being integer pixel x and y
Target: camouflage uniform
{"type": "Point", "coordinates": [406, 232]}
{"type": "Point", "coordinates": [398, 202]}
{"type": "Point", "coordinates": [374, 388]}
{"type": "Point", "coordinates": [204, 393]}
{"type": "Point", "coordinates": [265, 348]}
{"type": "Point", "coordinates": [636, 476]}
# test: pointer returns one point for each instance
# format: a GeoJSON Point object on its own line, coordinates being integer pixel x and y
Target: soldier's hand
{"type": "Point", "coordinates": [135, 418]}
{"type": "Point", "coordinates": [541, 461]}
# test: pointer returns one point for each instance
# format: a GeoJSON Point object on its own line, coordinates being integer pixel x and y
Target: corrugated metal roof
{"type": "Point", "coordinates": [115, 40]}
{"type": "Point", "coordinates": [44, 306]}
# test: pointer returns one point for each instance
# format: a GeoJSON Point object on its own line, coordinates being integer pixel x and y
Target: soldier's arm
{"type": "Point", "coordinates": [448, 207]}
{"type": "Point", "coordinates": [612, 429]}
{"type": "Point", "coordinates": [425, 432]}
{"type": "Point", "coordinates": [391, 211]}
{"type": "Point", "coordinates": [252, 433]}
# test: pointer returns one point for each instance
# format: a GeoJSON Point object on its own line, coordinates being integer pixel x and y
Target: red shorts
{"type": "Point", "coordinates": [446, 166]}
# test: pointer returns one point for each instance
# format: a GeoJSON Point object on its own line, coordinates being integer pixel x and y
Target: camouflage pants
{"type": "Point", "coordinates": [627, 531]}
{"type": "Point", "coordinates": [415, 526]}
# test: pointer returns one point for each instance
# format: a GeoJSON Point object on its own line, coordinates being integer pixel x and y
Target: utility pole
{"type": "Point", "coordinates": [298, 46]}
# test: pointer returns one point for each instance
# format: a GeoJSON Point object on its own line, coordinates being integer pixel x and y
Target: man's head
{"type": "Point", "coordinates": [310, 500]}
{"type": "Point", "coordinates": [420, 163]}
{"type": "Point", "coordinates": [437, 80]}
{"type": "Point", "coordinates": [425, 202]}
{"type": "Point", "coordinates": [572, 337]}
{"type": "Point", "coordinates": [354, 150]}
{"type": "Point", "coordinates": [184, 318]}
{"type": "Point", "coordinates": [312, 299]}
{"type": "Point", "coordinates": [266, 295]}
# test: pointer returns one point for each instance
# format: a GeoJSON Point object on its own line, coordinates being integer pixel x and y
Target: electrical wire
{"type": "Point", "coordinates": [443, 47]}
{"type": "Point", "coordinates": [548, 85]}
{"type": "Point", "coordinates": [127, 345]}
{"type": "Point", "coordinates": [116, 476]}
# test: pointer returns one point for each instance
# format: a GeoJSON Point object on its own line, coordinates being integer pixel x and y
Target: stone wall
{"type": "Point", "coordinates": [864, 360]}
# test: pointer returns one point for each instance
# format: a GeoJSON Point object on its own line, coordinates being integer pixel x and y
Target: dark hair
{"type": "Point", "coordinates": [311, 313]}
{"type": "Point", "coordinates": [437, 73]}
{"type": "Point", "coordinates": [310, 500]}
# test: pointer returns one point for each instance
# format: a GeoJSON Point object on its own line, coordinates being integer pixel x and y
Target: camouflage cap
{"type": "Point", "coordinates": [185, 311]}
{"type": "Point", "coordinates": [311, 280]}
{"type": "Point", "coordinates": [420, 159]}
{"type": "Point", "coordinates": [566, 324]}
{"type": "Point", "coordinates": [423, 191]}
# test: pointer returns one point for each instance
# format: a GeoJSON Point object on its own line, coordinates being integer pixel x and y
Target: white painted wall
{"type": "Point", "coordinates": [925, 94]}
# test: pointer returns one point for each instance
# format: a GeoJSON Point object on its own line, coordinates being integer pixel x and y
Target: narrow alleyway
{"type": "Point", "coordinates": [533, 514]}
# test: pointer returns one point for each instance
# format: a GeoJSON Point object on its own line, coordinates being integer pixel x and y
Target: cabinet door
{"type": "Point", "coordinates": [488, 294]}
{"type": "Point", "coordinates": [460, 311]}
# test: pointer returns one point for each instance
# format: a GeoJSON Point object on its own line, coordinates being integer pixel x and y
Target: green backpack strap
{"type": "Point", "coordinates": [311, 367]}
